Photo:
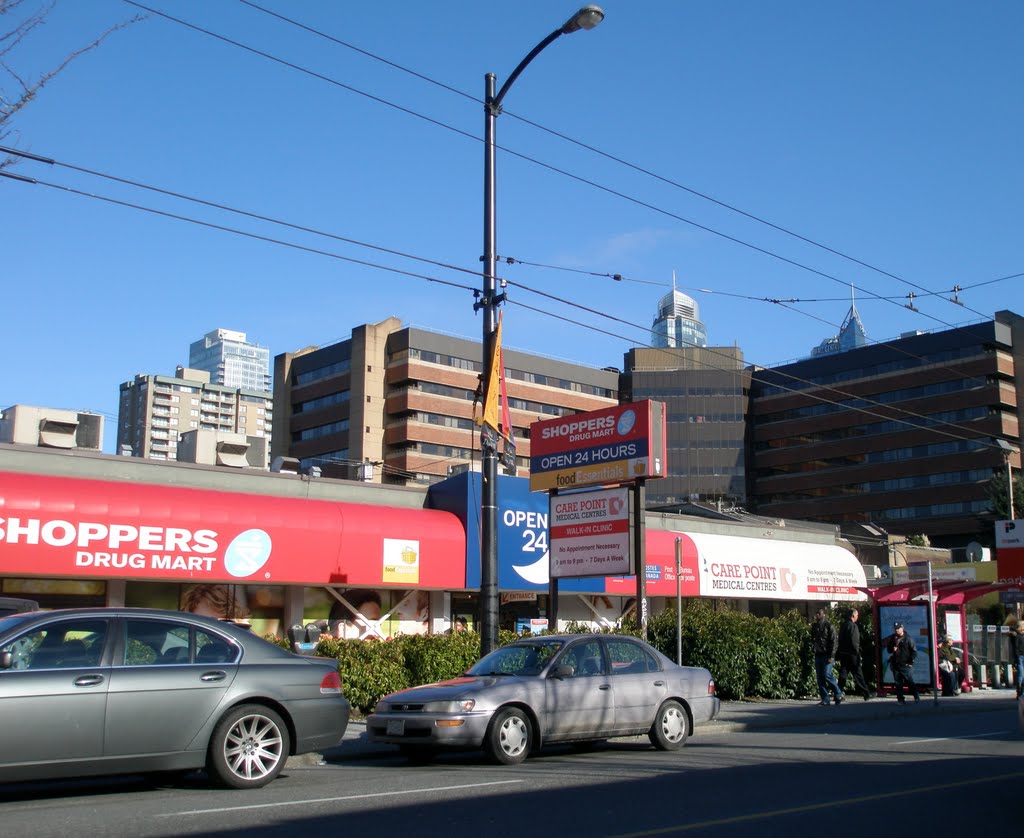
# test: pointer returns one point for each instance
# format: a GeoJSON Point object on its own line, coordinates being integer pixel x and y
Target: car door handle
{"type": "Point", "coordinates": [216, 675]}
{"type": "Point", "coordinates": [659, 683]}
{"type": "Point", "coordinates": [605, 687]}
{"type": "Point", "coordinates": [88, 680]}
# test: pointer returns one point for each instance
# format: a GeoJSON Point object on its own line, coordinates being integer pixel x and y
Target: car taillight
{"type": "Point", "coordinates": [331, 684]}
{"type": "Point", "coordinates": [711, 686]}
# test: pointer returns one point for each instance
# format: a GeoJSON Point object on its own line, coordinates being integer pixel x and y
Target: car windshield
{"type": "Point", "coordinates": [518, 659]}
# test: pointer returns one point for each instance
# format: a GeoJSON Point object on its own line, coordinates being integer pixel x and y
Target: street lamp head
{"type": "Point", "coordinates": [586, 18]}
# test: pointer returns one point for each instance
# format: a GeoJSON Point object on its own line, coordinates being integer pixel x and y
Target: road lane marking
{"type": "Point", "coordinates": [811, 807]}
{"type": "Point", "coordinates": [951, 738]}
{"type": "Point", "coordinates": [336, 799]}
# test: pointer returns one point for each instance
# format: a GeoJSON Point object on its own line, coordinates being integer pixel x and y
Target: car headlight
{"type": "Point", "coordinates": [461, 706]}
{"type": "Point", "coordinates": [382, 707]}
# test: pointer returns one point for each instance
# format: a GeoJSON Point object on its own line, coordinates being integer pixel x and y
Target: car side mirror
{"type": "Point", "coordinates": [6, 660]}
{"type": "Point", "coordinates": [564, 671]}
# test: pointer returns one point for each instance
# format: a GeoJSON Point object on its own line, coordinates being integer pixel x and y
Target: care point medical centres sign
{"type": "Point", "coordinates": [77, 528]}
{"type": "Point", "coordinates": [599, 448]}
{"type": "Point", "coordinates": [591, 534]}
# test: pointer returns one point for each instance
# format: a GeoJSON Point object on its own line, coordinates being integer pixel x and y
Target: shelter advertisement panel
{"type": "Point", "coordinates": [914, 617]}
{"type": "Point", "coordinates": [590, 534]}
{"type": "Point", "coordinates": [620, 444]}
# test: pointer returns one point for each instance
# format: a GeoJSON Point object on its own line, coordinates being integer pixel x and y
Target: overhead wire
{"type": "Point", "coordinates": [601, 153]}
{"type": "Point", "coordinates": [472, 289]}
{"type": "Point", "coordinates": [527, 158]}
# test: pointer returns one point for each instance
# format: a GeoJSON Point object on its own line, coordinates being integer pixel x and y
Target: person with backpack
{"type": "Point", "coordinates": [902, 654]}
{"type": "Point", "coordinates": [824, 643]}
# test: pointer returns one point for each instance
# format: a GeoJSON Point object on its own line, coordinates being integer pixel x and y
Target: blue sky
{"type": "Point", "coordinates": [888, 132]}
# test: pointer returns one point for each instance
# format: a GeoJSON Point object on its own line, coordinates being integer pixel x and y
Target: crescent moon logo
{"type": "Point", "coordinates": [537, 573]}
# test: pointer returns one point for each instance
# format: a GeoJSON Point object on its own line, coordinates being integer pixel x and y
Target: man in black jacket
{"type": "Point", "coordinates": [848, 654]}
{"type": "Point", "coordinates": [902, 652]}
{"type": "Point", "coordinates": [824, 643]}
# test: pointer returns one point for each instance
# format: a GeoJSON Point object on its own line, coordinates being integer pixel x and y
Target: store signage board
{"type": "Point", "coordinates": [621, 444]}
{"type": "Point", "coordinates": [590, 534]}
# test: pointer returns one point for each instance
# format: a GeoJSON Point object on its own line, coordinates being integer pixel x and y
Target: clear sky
{"type": "Point", "coordinates": [890, 133]}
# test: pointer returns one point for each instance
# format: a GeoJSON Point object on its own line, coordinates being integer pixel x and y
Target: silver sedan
{"type": "Point", "coordinates": [120, 690]}
{"type": "Point", "coordinates": [553, 688]}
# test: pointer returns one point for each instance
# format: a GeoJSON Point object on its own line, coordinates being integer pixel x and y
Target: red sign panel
{"type": "Point", "coordinates": [602, 447]}
{"type": "Point", "coordinates": [68, 528]}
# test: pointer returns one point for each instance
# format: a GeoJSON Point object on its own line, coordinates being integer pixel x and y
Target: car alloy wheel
{"type": "Point", "coordinates": [671, 727]}
{"type": "Point", "coordinates": [248, 748]}
{"type": "Point", "coordinates": [509, 737]}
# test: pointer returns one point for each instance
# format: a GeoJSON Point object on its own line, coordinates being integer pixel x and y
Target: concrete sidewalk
{"type": "Point", "coordinates": [739, 716]}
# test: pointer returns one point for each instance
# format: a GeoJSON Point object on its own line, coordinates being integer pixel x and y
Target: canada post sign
{"type": "Point", "coordinates": [614, 445]}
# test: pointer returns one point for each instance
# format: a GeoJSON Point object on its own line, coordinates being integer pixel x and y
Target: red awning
{"type": "Point", "coordinates": [76, 528]}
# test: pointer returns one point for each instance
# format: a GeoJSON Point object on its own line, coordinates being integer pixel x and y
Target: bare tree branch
{"type": "Point", "coordinates": [11, 35]}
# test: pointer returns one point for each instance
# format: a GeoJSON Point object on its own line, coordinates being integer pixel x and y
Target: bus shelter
{"type": "Point", "coordinates": [908, 603]}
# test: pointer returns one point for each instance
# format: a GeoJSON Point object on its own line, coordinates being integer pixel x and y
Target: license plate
{"type": "Point", "coordinates": [396, 727]}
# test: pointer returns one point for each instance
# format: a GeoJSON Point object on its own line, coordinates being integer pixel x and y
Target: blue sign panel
{"type": "Point", "coordinates": [522, 532]}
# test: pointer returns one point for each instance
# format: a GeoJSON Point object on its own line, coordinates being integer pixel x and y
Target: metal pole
{"type": "Point", "coordinates": [641, 558]}
{"type": "Point", "coordinates": [1009, 483]}
{"type": "Point", "coordinates": [488, 444]}
{"type": "Point", "coordinates": [586, 18]}
{"type": "Point", "coordinates": [934, 653]}
{"type": "Point", "coordinates": [679, 601]}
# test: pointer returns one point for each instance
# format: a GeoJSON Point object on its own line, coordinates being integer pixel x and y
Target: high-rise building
{"type": "Point", "coordinates": [705, 391]}
{"type": "Point", "coordinates": [231, 360]}
{"type": "Point", "coordinates": [678, 323]}
{"type": "Point", "coordinates": [903, 433]}
{"type": "Point", "coordinates": [397, 405]}
{"type": "Point", "coordinates": [851, 335]}
{"type": "Point", "coordinates": [155, 410]}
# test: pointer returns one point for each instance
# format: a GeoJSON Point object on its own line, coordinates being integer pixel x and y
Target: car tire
{"type": "Point", "coordinates": [249, 747]}
{"type": "Point", "coordinates": [510, 737]}
{"type": "Point", "coordinates": [671, 727]}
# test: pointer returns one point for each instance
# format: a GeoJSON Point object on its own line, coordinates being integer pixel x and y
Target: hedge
{"type": "Point", "coordinates": [748, 656]}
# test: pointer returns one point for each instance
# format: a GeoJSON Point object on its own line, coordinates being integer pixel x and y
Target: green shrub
{"type": "Point", "coordinates": [438, 657]}
{"type": "Point", "coordinates": [369, 669]}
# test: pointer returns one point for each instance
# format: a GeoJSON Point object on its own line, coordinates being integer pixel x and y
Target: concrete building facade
{"type": "Point", "coordinates": [403, 401]}
{"type": "Point", "coordinates": [903, 433]}
{"type": "Point", "coordinates": [705, 391]}
{"type": "Point", "coordinates": [155, 410]}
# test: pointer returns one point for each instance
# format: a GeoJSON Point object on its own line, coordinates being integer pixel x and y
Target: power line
{"type": "Point", "coordinates": [527, 158]}
{"type": "Point", "coordinates": [607, 156]}
{"type": "Point", "coordinates": [472, 289]}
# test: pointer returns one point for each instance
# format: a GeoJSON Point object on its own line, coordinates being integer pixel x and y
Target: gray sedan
{"type": "Point", "coordinates": [121, 690]}
{"type": "Point", "coordinates": [553, 688]}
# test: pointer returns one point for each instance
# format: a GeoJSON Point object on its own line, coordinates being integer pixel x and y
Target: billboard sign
{"type": "Point", "coordinates": [590, 534]}
{"type": "Point", "coordinates": [620, 444]}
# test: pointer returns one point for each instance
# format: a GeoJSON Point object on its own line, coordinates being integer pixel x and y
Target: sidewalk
{"type": "Point", "coordinates": [740, 716]}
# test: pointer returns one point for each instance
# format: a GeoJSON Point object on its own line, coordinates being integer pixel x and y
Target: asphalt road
{"type": "Point", "coordinates": [919, 769]}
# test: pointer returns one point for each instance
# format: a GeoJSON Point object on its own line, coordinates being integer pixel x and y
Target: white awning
{"type": "Point", "coordinates": [753, 568]}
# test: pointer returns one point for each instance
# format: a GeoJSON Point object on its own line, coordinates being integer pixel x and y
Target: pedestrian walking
{"type": "Point", "coordinates": [824, 643]}
{"type": "Point", "coordinates": [848, 654]}
{"type": "Point", "coordinates": [1017, 651]}
{"type": "Point", "coordinates": [902, 654]}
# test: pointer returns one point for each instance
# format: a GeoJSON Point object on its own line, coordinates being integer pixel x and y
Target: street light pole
{"type": "Point", "coordinates": [586, 18]}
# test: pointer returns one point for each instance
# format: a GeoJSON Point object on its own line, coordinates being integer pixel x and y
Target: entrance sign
{"type": "Point", "coordinates": [620, 444]}
{"type": "Point", "coordinates": [590, 534]}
